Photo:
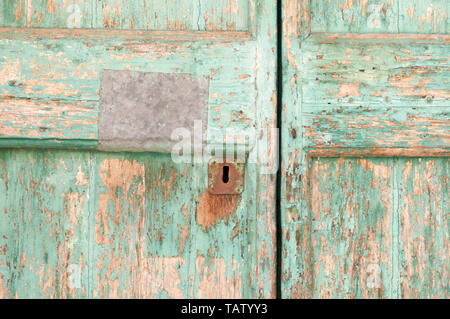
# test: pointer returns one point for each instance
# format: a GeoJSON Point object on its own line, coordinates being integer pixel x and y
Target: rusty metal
{"type": "Point", "coordinates": [226, 177]}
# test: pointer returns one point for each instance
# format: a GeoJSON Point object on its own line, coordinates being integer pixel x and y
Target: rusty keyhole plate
{"type": "Point", "coordinates": [225, 177]}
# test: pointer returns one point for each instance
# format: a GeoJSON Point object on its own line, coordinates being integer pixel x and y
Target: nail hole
{"type": "Point", "coordinates": [225, 175]}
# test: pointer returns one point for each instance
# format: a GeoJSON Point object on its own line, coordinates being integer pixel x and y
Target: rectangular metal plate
{"type": "Point", "coordinates": [140, 110]}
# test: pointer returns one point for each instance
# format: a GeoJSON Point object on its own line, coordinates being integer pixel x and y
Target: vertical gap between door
{"type": "Point", "coordinates": [279, 171]}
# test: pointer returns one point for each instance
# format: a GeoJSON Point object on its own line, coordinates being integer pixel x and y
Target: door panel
{"type": "Point", "coordinates": [365, 149]}
{"type": "Point", "coordinates": [55, 86]}
{"type": "Point", "coordinates": [388, 16]}
{"type": "Point", "coordinates": [133, 225]}
{"type": "Point", "coordinates": [374, 222]}
{"type": "Point", "coordinates": [424, 216]}
{"type": "Point", "coordinates": [375, 94]}
{"type": "Point", "coordinates": [180, 15]}
{"type": "Point", "coordinates": [80, 222]}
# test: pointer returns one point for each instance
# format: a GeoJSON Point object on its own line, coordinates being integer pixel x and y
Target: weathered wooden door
{"type": "Point", "coordinates": [365, 146]}
{"type": "Point", "coordinates": [94, 94]}
{"type": "Point", "coordinates": [91, 202]}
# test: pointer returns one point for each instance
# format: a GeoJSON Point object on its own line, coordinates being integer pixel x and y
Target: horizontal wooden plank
{"type": "Point", "coordinates": [34, 118]}
{"type": "Point", "coordinates": [135, 15]}
{"type": "Point", "coordinates": [48, 143]}
{"type": "Point", "coordinates": [376, 131]}
{"type": "Point", "coordinates": [328, 152]}
{"type": "Point", "coordinates": [331, 37]}
{"type": "Point", "coordinates": [380, 69]}
{"type": "Point", "coordinates": [128, 35]}
{"type": "Point", "coordinates": [51, 89]}
{"type": "Point", "coordinates": [375, 95]}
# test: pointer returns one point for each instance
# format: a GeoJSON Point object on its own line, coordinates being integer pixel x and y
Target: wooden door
{"type": "Point", "coordinates": [91, 203]}
{"type": "Point", "coordinates": [365, 146]}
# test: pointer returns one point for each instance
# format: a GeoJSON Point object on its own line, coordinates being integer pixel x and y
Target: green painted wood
{"type": "Point", "coordinates": [380, 16]}
{"type": "Point", "coordinates": [371, 70]}
{"type": "Point", "coordinates": [426, 16]}
{"type": "Point", "coordinates": [350, 213]}
{"type": "Point", "coordinates": [354, 16]}
{"type": "Point", "coordinates": [362, 93]}
{"type": "Point", "coordinates": [138, 225]}
{"type": "Point", "coordinates": [203, 15]}
{"type": "Point", "coordinates": [56, 94]}
{"type": "Point", "coordinates": [371, 129]}
{"type": "Point", "coordinates": [364, 210]}
{"type": "Point", "coordinates": [45, 222]}
{"type": "Point", "coordinates": [376, 229]}
{"type": "Point", "coordinates": [12, 14]}
{"type": "Point", "coordinates": [134, 225]}
{"type": "Point", "coordinates": [424, 218]}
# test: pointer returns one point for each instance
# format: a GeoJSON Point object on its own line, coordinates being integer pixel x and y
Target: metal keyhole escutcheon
{"type": "Point", "coordinates": [226, 177]}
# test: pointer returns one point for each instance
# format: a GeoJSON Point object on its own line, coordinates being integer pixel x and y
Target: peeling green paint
{"type": "Point", "coordinates": [354, 225]}
{"type": "Point", "coordinates": [382, 16]}
{"type": "Point", "coordinates": [129, 221]}
{"type": "Point", "coordinates": [135, 224]}
{"type": "Point", "coordinates": [202, 15]}
{"type": "Point", "coordinates": [357, 225]}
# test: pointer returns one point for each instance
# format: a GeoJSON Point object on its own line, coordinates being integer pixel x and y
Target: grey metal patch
{"type": "Point", "coordinates": [140, 110]}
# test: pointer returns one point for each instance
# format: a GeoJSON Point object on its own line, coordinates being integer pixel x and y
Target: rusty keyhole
{"type": "Point", "coordinates": [226, 177]}
{"type": "Point", "coordinates": [225, 174]}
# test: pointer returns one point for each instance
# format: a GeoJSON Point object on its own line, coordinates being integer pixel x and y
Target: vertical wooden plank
{"type": "Point", "coordinates": [147, 15]}
{"type": "Point", "coordinates": [220, 259]}
{"type": "Point", "coordinates": [116, 226]}
{"type": "Point", "coordinates": [378, 229]}
{"type": "Point", "coordinates": [8, 233]}
{"type": "Point", "coordinates": [223, 15]}
{"type": "Point", "coordinates": [170, 204]}
{"type": "Point", "coordinates": [13, 13]}
{"type": "Point", "coordinates": [227, 15]}
{"type": "Point", "coordinates": [348, 253]}
{"type": "Point", "coordinates": [424, 16]}
{"type": "Point", "coordinates": [47, 208]}
{"type": "Point", "coordinates": [424, 210]}
{"type": "Point", "coordinates": [294, 166]}
{"type": "Point", "coordinates": [263, 158]}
